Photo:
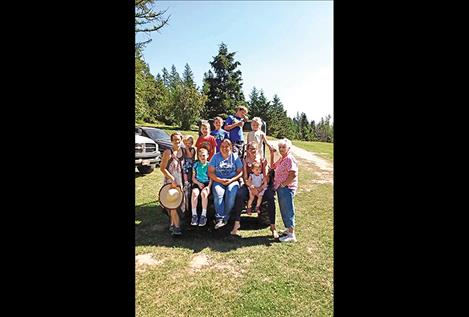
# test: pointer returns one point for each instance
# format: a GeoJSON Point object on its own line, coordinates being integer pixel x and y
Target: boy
{"type": "Point", "coordinates": [234, 125]}
{"type": "Point", "coordinates": [200, 185]}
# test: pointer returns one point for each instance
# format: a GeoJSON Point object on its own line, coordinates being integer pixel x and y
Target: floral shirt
{"type": "Point", "coordinates": [282, 167]}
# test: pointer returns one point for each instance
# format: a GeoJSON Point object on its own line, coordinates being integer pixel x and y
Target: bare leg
{"type": "Point", "coordinates": [251, 199]}
{"type": "Point", "coordinates": [259, 201]}
{"type": "Point", "coordinates": [195, 195]}
{"type": "Point", "coordinates": [174, 217]}
{"type": "Point", "coordinates": [236, 227]}
{"type": "Point", "coordinates": [205, 193]}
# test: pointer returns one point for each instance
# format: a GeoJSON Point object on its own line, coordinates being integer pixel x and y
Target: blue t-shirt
{"type": "Point", "coordinates": [201, 171]}
{"type": "Point", "coordinates": [219, 136]}
{"type": "Point", "coordinates": [225, 168]}
{"type": "Point", "coordinates": [236, 134]}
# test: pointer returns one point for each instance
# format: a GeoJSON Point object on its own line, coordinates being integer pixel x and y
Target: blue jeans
{"type": "Point", "coordinates": [287, 208]}
{"type": "Point", "coordinates": [224, 199]}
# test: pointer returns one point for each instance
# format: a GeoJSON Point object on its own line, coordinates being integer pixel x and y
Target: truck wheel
{"type": "Point", "coordinates": [145, 169]}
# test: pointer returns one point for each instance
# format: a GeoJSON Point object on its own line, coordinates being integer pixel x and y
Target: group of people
{"type": "Point", "coordinates": [214, 165]}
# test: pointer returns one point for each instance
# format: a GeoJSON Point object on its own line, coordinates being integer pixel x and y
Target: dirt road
{"type": "Point", "coordinates": [324, 170]}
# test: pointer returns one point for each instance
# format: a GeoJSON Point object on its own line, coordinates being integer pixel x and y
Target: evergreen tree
{"type": "Point", "coordinates": [166, 77]}
{"type": "Point", "coordinates": [313, 131]}
{"type": "Point", "coordinates": [253, 103]}
{"type": "Point", "coordinates": [174, 78]}
{"type": "Point", "coordinates": [188, 77]}
{"type": "Point", "coordinates": [224, 86]}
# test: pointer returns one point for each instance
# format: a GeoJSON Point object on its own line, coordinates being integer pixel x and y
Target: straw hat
{"type": "Point", "coordinates": [171, 198]}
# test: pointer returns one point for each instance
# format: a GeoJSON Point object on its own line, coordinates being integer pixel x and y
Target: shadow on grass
{"type": "Point", "coordinates": [151, 229]}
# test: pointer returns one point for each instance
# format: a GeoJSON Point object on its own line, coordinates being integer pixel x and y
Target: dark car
{"type": "Point", "coordinates": [159, 136]}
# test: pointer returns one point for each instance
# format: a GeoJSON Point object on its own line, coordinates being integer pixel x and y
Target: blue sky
{"type": "Point", "coordinates": [284, 47]}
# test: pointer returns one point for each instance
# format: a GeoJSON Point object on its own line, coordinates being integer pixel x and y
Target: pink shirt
{"type": "Point", "coordinates": [282, 167]}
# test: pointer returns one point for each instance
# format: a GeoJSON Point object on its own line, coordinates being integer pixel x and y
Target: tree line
{"type": "Point", "coordinates": [176, 100]}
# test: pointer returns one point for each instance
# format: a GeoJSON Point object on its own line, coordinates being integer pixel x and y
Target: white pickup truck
{"type": "Point", "coordinates": [147, 155]}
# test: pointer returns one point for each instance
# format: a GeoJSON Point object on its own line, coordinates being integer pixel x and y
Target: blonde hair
{"type": "Point", "coordinates": [258, 120]}
{"type": "Point", "coordinates": [219, 119]}
{"type": "Point", "coordinates": [242, 108]}
{"type": "Point", "coordinates": [255, 165]}
{"type": "Point", "coordinates": [188, 137]}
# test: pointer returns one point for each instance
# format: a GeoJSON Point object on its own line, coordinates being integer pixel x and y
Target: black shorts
{"type": "Point", "coordinates": [194, 185]}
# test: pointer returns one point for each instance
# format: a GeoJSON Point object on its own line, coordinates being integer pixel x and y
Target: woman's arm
{"type": "Point", "coordinates": [213, 176]}
{"type": "Point", "coordinates": [164, 163]}
{"type": "Point", "coordinates": [291, 176]}
{"type": "Point", "coordinates": [239, 172]}
{"type": "Point", "coordinates": [245, 171]}
{"type": "Point", "coordinates": [272, 154]}
{"type": "Point", "coordinates": [249, 181]}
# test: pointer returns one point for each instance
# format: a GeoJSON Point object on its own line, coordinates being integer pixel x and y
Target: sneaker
{"type": "Point", "coordinates": [194, 220]}
{"type": "Point", "coordinates": [288, 238]}
{"type": "Point", "coordinates": [171, 228]}
{"type": "Point", "coordinates": [202, 221]}
{"type": "Point", "coordinates": [220, 223]}
{"type": "Point", "coordinates": [176, 232]}
{"type": "Point", "coordinates": [284, 233]}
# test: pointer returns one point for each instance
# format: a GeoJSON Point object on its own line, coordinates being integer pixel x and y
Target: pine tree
{"type": "Point", "coordinates": [166, 77]}
{"type": "Point", "coordinates": [224, 86]}
{"type": "Point", "coordinates": [188, 77]}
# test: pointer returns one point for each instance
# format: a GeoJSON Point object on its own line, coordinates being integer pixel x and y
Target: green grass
{"type": "Point", "coordinates": [252, 276]}
{"type": "Point", "coordinates": [322, 149]}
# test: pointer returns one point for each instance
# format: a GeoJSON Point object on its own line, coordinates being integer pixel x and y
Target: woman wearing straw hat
{"type": "Point", "coordinates": [171, 197]}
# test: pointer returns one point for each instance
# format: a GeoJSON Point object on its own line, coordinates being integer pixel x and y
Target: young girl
{"type": "Point", "coordinates": [189, 158]}
{"type": "Point", "coordinates": [206, 140]}
{"type": "Point", "coordinates": [258, 136]}
{"type": "Point", "coordinates": [218, 133]}
{"type": "Point", "coordinates": [201, 185]}
{"type": "Point", "coordinates": [255, 181]}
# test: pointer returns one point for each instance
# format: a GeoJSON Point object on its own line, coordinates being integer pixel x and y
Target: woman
{"type": "Point", "coordinates": [171, 167]}
{"type": "Point", "coordinates": [286, 184]}
{"type": "Point", "coordinates": [224, 169]}
{"type": "Point", "coordinates": [242, 196]}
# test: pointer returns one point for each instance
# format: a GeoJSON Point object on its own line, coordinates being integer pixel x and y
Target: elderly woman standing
{"type": "Point", "coordinates": [225, 168]}
{"type": "Point", "coordinates": [286, 184]}
{"type": "Point", "coordinates": [172, 169]}
{"type": "Point", "coordinates": [243, 193]}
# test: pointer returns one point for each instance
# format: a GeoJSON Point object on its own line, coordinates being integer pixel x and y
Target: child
{"type": "Point", "coordinates": [200, 180]}
{"type": "Point", "coordinates": [234, 125]}
{"type": "Point", "coordinates": [255, 181]}
{"type": "Point", "coordinates": [219, 134]}
{"type": "Point", "coordinates": [189, 157]}
{"type": "Point", "coordinates": [206, 140]}
{"type": "Point", "coordinates": [258, 136]}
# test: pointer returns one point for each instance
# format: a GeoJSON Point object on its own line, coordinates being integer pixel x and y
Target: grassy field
{"type": "Point", "coordinates": [208, 274]}
{"type": "Point", "coordinates": [322, 149]}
